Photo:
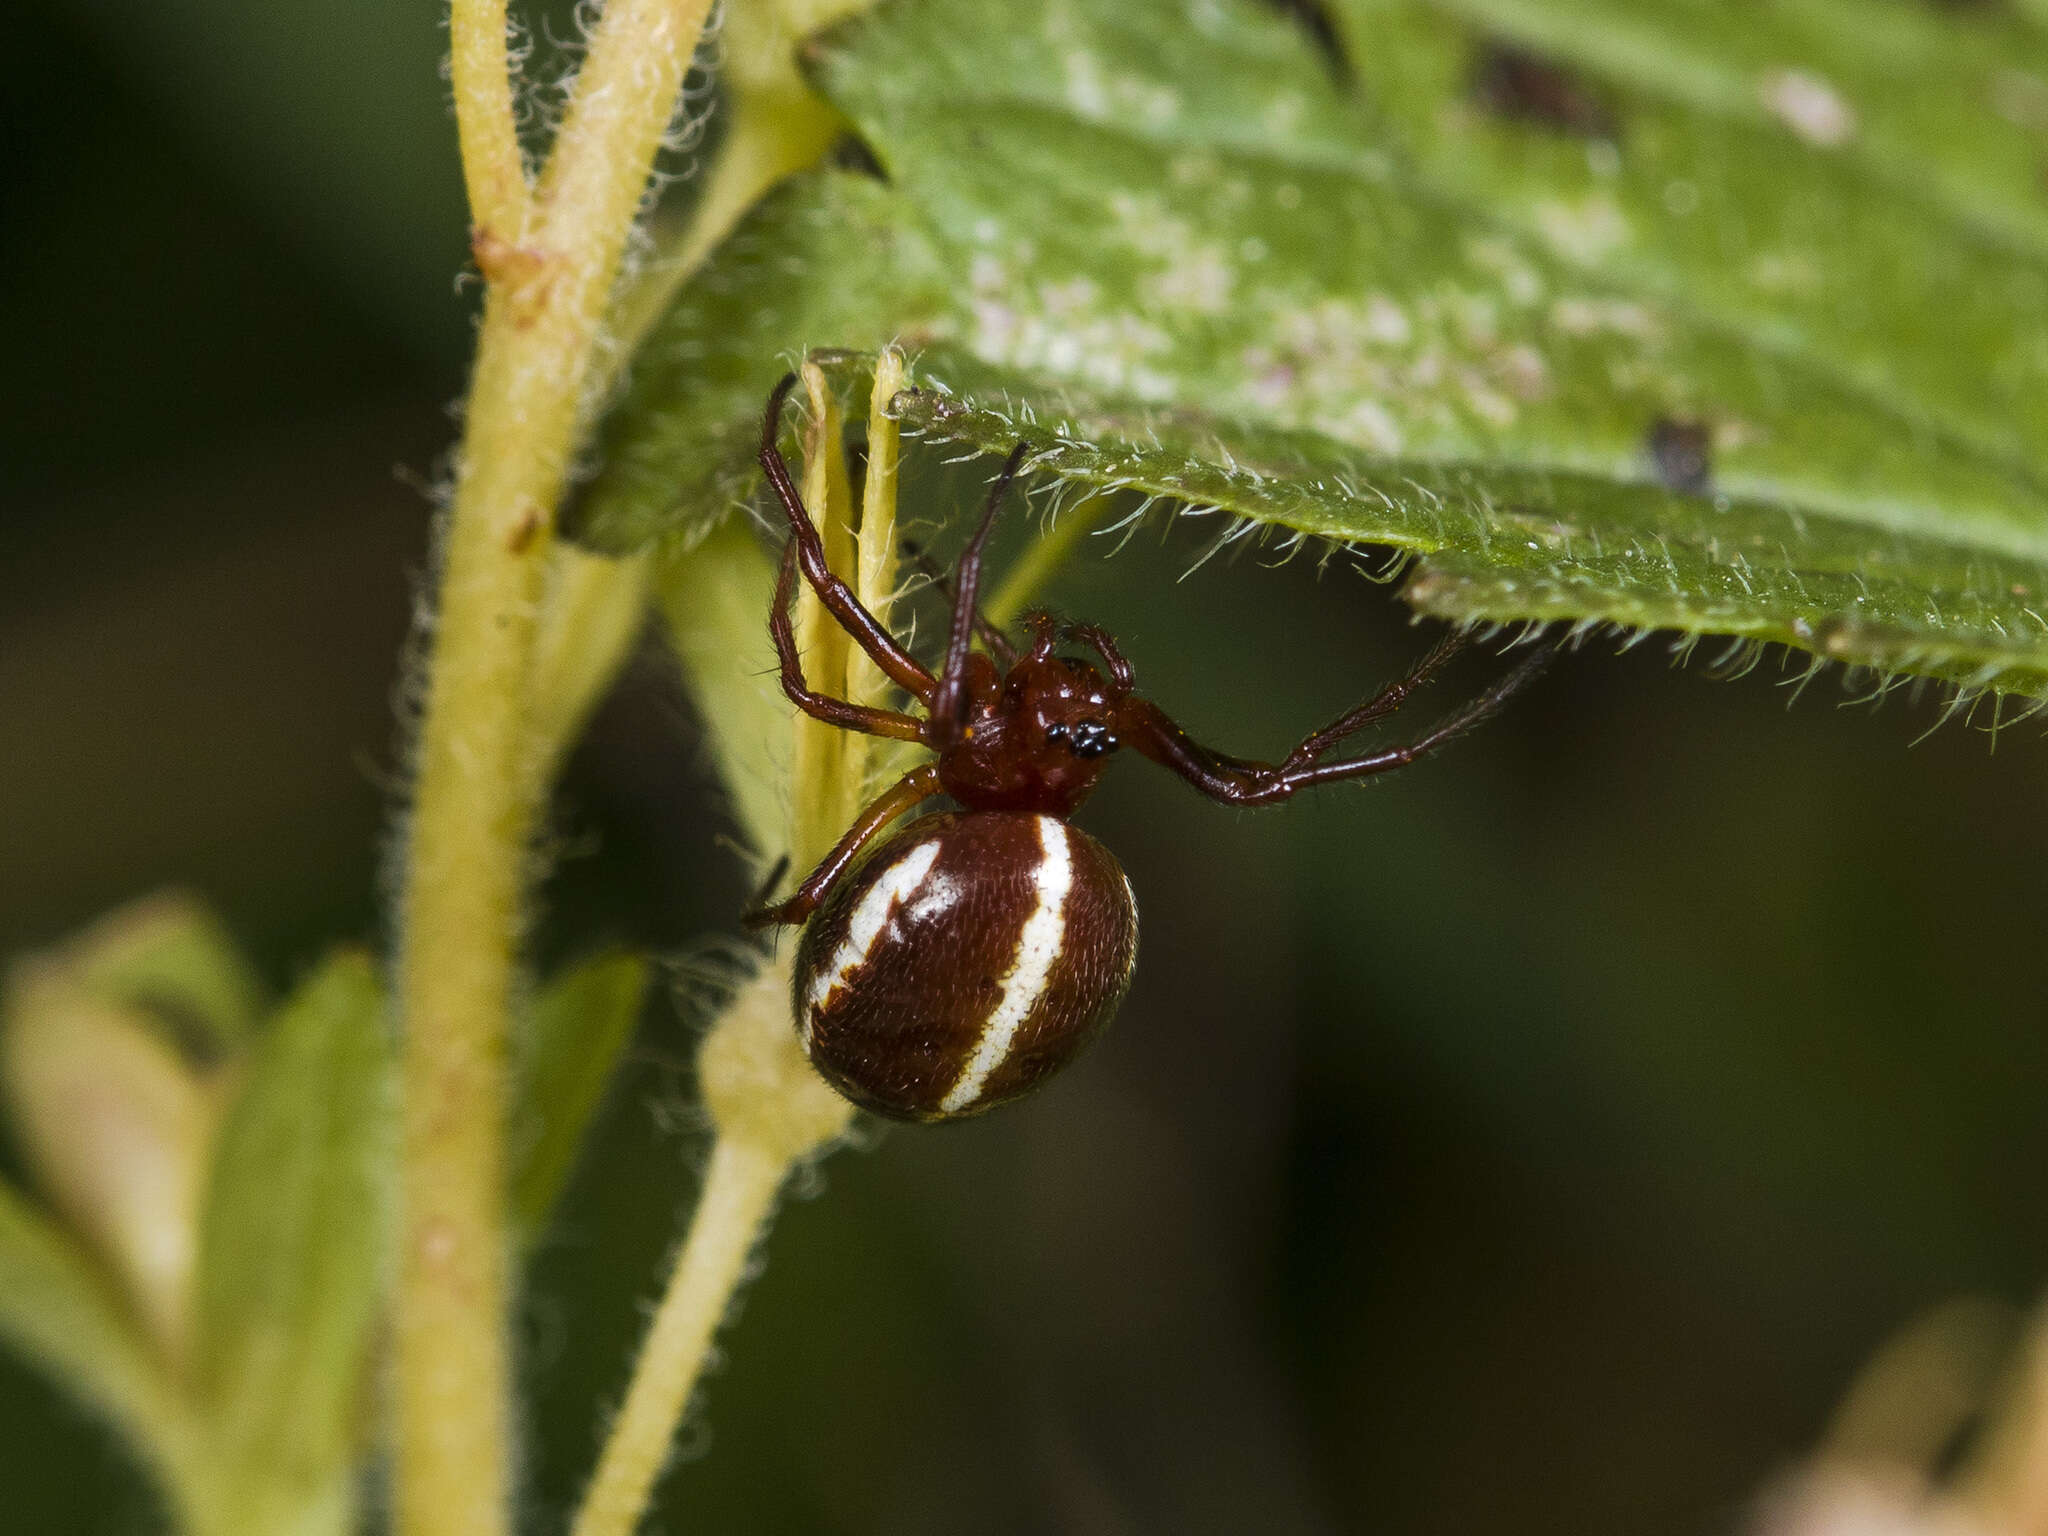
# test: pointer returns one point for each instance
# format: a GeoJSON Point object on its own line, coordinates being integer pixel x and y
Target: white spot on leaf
{"type": "Point", "coordinates": [1580, 316]}
{"type": "Point", "coordinates": [1586, 230]}
{"type": "Point", "coordinates": [1809, 106]}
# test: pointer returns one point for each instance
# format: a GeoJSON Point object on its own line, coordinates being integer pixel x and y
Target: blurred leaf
{"type": "Point", "coordinates": [714, 599]}
{"type": "Point", "coordinates": [60, 1309]}
{"type": "Point", "coordinates": [1161, 240]}
{"type": "Point", "coordinates": [581, 1021]}
{"type": "Point", "coordinates": [293, 1249]}
{"type": "Point", "coordinates": [170, 953]}
{"type": "Point", "coordinates": [118, 1129]}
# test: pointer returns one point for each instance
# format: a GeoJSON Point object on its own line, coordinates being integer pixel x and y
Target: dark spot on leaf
{"type": "Point", "coordinates": [1313, 17]}
{"type": "Point", "coordinates": [1521, 86]}
{"type": "Point", "coordinates": [851, 152]}
{"type": "Point", "coordinates": [188, 1030]}
{"type": "Point", "coordinates": [1682, 453]}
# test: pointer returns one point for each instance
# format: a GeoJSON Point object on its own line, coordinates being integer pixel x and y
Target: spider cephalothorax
{"type": "Point", "coordinates": [1038, 733]}
{"type": "Point", "coordinates": [973, 954]}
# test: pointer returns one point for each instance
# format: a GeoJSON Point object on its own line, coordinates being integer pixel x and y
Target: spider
{"type": "Point", "coordinates": [978, 950]}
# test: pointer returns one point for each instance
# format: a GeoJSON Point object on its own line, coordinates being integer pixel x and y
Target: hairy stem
{"type": "Point", "coordinates": [589, 620]}
{"type": "Point", "coordinates": [480, 73]}
{"type": "Point", "coordinates": [825, 781]}
{"type": "Point", "coordinates": [771, 1111]}
{"type": "Point", "coordinates": [739, 1188]}
{"type": "Point", "coordinates": [475, 794]}
{"type": "Point", "coordinates": [767, 140]}
{"type": "Point", "coordinates": [865, 682]}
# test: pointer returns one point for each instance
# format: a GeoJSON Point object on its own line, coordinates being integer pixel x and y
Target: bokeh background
{"type": "Point", "coordinates": [1538, 1141]}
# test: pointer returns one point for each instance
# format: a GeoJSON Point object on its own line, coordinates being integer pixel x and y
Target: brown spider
{"type": "Point", "coordinates": [977, 951]}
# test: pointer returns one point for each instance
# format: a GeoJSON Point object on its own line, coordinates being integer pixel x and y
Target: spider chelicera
{"type": "Point", "coordinates": [975, 952]}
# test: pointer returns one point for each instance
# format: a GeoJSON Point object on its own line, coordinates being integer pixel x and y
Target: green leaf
{"type": "Point", "coordinates": [171, 954]}
{"type": "Point", "coordinates": [1162, 241]}
{"type": "Point", "coordinates": [293, 1252]}
{"type": "Point", "coordinates": [118, 1132]}
{"type": "Point", "coordinates": [713, 599]}
{"type": "Point", "coordinates": [1519, 545]}
{"type": "Point", "coordinates": [832, 258]}
{"type": "Point", "coordinates": [1965, 140]}
{"type": "Point", "coordinates": [581, 1021]}
{"type": "Point", "coordinates": [1906, 256]}
{"type": "Point", "coordinates": [60, 1309]}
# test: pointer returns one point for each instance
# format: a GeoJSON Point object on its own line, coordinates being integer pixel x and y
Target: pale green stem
{"type": "Point", "coordinates": [739, 1189]}
{"type": "Point", "coordinates": [768, 138]}
{"type": "Point", "coordinates": [823, 761]}
{"type": "Point", "coordinates": [589, 620]}
{"type": "Point", "coordinates": [473, 807]}
{"type": "Point", "coordinates": [865, 682]}
{"type": "Point", "coordinates": [273, 1504]}
{"type": "Point", "coordinates": [1050, 551]}
{"type": "Point", "coordinates": [771, 1110]}
{"type": "Point", "coordinates": [492, 164]}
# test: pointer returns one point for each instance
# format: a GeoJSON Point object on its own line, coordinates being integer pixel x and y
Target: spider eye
{"type": "Point", "coordinates": [1055, 735]}
{"type": "Point", "coordinates": [1092, 739]}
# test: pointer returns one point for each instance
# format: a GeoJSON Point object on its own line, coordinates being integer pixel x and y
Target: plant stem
{"type": "Point", "coordinates": [1047, 554]}
{"type": "Point", "coordinates": [739, 1188]}
{"type": "Point", "coordinates": [480, 73]}
{"type": "Point", "coordinates": [771, 1111]}
{"type": "Point", "coordinates": [767, 140]}
{"type": "Point", "coordinates": [476, 791]}
{"type": "Point", "coordinates": [769, 1108]}
{"type": "Point", "coordinates": [472, 815]}
{"type": "Point", "coordinates": [824, 773]}
{"type": "Point", "coordinates": [865, 682]}
{"type": "Point", "coordinates": [589, 620]}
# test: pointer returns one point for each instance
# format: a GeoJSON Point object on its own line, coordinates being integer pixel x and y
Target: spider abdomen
{"type": "Point", "coordinates": [972, 956]}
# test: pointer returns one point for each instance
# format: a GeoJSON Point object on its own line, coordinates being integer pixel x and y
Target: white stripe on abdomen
{"type": "Point", "coordinates": [1038, 945]}
{"type": "Point", "coordinates": [895, 884]}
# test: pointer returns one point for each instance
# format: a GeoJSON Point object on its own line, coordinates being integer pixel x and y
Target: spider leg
{"type": "Point", "coordinates": [1240, 781]}
{"type": "Point", "coordinates": [1045, 634]}
{"type": "Point", "coordinates": [820, 706]}
{"type": "Point", "coordinates": [868, 632]}
{"type": "Point", "coordinates": [949, 700]}
{"type": "Point", "coordinates": [918, 784]}
{"type": "Point", "coordinates": [1098, 640]}
{"type": "Point", "coordinates": [994, 639]}
{"type": "Point", "coordinates": [1381, 704]}
{"type": "Point", "coordinates": [1465, 718]}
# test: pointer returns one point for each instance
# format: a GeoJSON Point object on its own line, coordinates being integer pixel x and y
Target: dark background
{"type": "Point", "coordinates": [1537, 1141]}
